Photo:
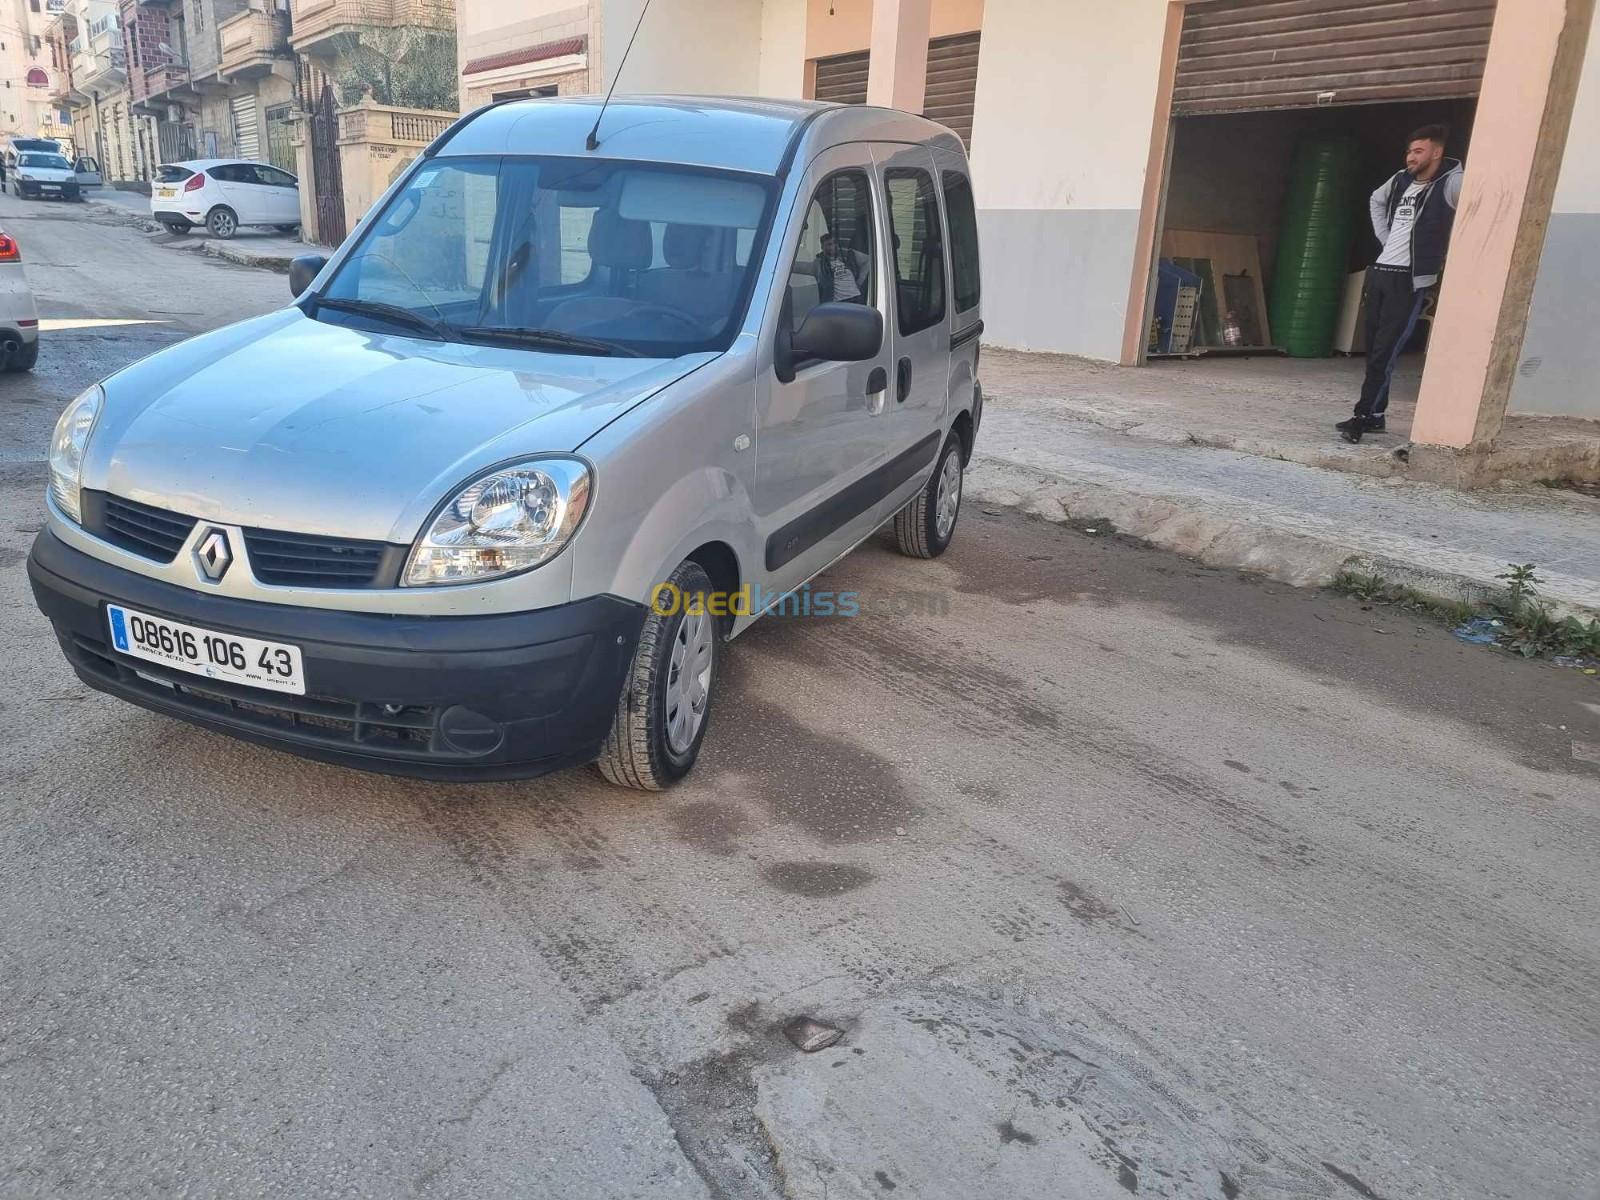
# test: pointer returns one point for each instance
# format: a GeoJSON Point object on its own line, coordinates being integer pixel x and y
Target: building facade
{"type": "Point", "coordinates": [1107, 138]}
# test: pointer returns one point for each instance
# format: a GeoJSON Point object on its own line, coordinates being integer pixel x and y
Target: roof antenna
{"type": "Point", "coordinates": [593, 141]}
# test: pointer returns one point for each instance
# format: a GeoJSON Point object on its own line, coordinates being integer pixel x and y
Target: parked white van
{"type": "Point", "coordinates": [485, 500]}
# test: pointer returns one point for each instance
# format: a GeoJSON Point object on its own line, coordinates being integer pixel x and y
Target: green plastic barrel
{"type": "Point", "coordinates": [1320, 218]}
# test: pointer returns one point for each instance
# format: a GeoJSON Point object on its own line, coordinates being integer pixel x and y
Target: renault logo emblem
{"type": "Point", "coordinates": [212, 556]}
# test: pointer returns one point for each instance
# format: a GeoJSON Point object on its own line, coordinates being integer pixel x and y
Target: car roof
{"type": "Point", "coordinates": [731, 132]}
{"type": "Point", "coordinates": [201, 164]}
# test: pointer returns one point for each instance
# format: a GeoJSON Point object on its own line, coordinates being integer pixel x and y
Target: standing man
{"type": "Point", "coordinates": [1412, 215]}
{"type": "Point", "coordinates": [841, 273]}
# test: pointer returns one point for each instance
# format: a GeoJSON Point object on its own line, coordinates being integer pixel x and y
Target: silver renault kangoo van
{"type": "Point", "coordinates": [573, 405]}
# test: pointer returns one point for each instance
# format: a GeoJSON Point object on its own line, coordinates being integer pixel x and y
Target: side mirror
{"type": "Point", "coordinates": [832, 332]}
{"type": "Point", "coordinates": [303, 268]}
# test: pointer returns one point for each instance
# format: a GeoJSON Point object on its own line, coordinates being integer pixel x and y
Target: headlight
{"type": "Point", "coordinates": [67, 445]}
{"type": "Point", "coordinates": [509, 520]}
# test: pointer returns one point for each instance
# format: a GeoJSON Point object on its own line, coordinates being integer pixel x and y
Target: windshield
{"type": "Point", "coordinates": [54, 161]}
{"type": "Point", "coordinates": [642, 258]}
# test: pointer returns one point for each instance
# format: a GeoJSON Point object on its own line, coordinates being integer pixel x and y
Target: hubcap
{"type": "Point", "coordinates": [224, 223]}
{"type": "Point", "coordinates": [947, 502]}
{"type": "Point", "coordinates": [689, 680]}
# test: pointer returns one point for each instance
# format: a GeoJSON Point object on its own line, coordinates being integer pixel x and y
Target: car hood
{"type": "Point", "coordinates": [48, 174]}
{"type": "Point", "coordinates": [284, 422]}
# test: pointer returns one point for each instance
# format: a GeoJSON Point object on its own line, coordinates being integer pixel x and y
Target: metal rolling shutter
{"type": "Point", "coordinates": [952, 82]}
{"type": "Point", "coordinates": [1242, 55]}
{"type": "Point", "coordinates": [246, 132]}
{"type": "Point", "coordinates": [843, 78]}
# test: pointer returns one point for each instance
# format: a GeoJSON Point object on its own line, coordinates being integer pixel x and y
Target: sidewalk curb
{"type": "Point", "coordinates": [226, 251]}
{"type": "Point", "coordinates": [1238, 537]}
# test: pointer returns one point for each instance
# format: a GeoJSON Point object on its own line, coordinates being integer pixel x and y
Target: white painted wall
{"type": "Point", "coordinates": [1578, 190]}
{"type": "Point", "coordinates": [782, 71]}
{"type": "Point", "coordinates": [1560, 354]}
{"type": "Point", "coordinates": [707, 47]}
{"type": "Point", "coordinates": [1061, 135]}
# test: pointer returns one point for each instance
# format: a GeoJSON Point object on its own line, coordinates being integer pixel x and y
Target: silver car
{"type": "Point", "coordinates": [585, 394]}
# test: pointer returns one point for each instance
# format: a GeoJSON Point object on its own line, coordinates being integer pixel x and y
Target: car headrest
{"type": "Point", "coordinates": [685, 245]}
{"type": "Point", "coordinates": [615, 241]}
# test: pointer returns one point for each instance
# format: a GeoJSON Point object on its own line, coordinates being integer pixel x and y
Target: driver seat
{"type": "Point", "coordinates": [621, 246]}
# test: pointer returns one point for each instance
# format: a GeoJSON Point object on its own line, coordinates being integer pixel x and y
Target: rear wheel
{"type": "Point", "coordinates": [26, 356]}
{"type": "Point", "coordinates": [223, 222]}
{"type": "Point", "coordinates": [665, 706]}
{"type": "Point", "coordinates": [924, 527]}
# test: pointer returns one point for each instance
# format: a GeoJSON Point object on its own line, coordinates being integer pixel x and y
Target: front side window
{"type": "Point", "coordinates": [919, 248]}
{"type": "Point", "coordinates": [963, 218]}
{"type": "Point", "coordinates": [835, 257]}
{"type": "Point", "coordinates": [633, 257]}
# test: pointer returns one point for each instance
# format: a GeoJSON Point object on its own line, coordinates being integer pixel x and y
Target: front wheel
{"type": "Point", "coordinates": [222, 222]}
{"type": "Point", "coordinates": [665, 707]}
{"type": "Point", "coordinates": [924, 527]}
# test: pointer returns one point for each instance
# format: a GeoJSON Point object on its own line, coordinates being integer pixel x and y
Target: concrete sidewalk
{"type": "Point", "coordinates": [1121, 451]}
{"type": "Point", "coordinates": [249, 247]}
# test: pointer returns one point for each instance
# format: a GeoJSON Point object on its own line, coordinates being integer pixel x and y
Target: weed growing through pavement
{"type": "Point", "coordinates": [1526, 624]}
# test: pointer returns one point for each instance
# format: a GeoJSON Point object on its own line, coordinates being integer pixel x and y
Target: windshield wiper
{"type": "Point", "coordinates": [388, 312]}
{"type": "Point", "coordinates": [546, 339]}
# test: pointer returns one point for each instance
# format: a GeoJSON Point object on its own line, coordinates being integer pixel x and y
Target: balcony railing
{"type": "Point", "coordinates": [252, 39]}
{"type": "Point", "coordinates": [164, 78]}
{"type": "Point", "coordinates": [391, 125]}
{"type": "Point", "coordinates": [316, 20]}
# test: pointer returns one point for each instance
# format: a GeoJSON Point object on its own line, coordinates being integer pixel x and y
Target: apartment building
{"type": "Point", "coordinates": [26, 83]}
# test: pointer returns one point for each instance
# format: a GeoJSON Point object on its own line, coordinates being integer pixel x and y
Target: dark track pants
{"type": "Point", "coordinates": [1393, 306]}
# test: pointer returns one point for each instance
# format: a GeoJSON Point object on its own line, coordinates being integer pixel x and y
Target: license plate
{"type": "Point", "coordinates": [225, 656]}
{"type": "Point", "coordinates": [49, 187]}
{"type": "Point", "coordinates": [166, 193]}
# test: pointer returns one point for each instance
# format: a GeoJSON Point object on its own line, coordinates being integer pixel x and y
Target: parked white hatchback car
{"type": "Point", "coordinates": [19, 319]}
{"type": "Point", "coordinates": [224, 194]}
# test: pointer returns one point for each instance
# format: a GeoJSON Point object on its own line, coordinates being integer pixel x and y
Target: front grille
{"type": "Point", "coordinates": [277, 558]}
{"type": "Point", "coordinates": [153, 533]}
{"type": "Point", "coordinates": [306, 560]}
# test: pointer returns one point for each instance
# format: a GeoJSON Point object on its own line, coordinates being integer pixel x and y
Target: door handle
{"type": "Point", "coordinates": [877, 381]}
{"type": "Point", "coordinates": [902, 375]}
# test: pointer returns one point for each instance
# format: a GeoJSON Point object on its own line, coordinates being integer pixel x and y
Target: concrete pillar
{"type": "Point", "coordinates": [897, 74]}
{"type": "Point", "coordinates": [1519, 137]}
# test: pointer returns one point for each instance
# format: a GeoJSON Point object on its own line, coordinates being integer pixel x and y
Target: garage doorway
{"type": "Point", "coordinates": [1258, 87]}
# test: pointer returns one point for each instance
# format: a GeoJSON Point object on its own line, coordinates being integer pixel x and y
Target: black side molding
{"type": "Point", "coordinates": [957, 340]}
{"type": "Point", "coordinates": [844, 506]}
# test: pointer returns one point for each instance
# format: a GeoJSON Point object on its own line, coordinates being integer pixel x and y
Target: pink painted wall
{"type": "Point", "coordinates": [849, 26]}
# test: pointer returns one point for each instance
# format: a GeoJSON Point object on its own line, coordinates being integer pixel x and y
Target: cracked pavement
{"type": "Point", "coordinates": [1121, 876]}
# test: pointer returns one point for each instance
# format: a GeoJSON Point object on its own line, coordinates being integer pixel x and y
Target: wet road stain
{"type": "Point", "coordinates": [710, 825]}
{"type": "Point", "coordinates": [1009, 1133]}
{"type": "Point", "coordinates": [1237, 766]}
{"type": "Point", "coordinates": [1350, 1181]}
{"type": "Point", "coordinates": [815, 880]}
{"type": "Point", "coordinates": [884, 1181]}
{"type": "Point", "coordinates": [1083, 904]}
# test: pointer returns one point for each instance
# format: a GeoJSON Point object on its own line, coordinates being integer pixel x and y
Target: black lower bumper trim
{"type": "Point", "coordinates": [493, 697]}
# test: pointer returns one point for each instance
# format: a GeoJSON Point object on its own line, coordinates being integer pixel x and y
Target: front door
{"type": "Point", "coordinates": [281, 194]}
{"type": "Point", "coordinates": [820, 437]}
{"type": "Point", "coordinates": [920, 330]}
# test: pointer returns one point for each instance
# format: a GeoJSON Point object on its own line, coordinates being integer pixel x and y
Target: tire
{"type": "Point", "coordinates": [223, 222]}
{"type": "Point", "coordinates": [287, 228]}
{"type": "Point", "coordinates": [924, 527]}
{"type": "Point", "coordinates": [178, 227]}
{"type": "Point", "coordinates": [649, 746]}
{"type": "Point", "coordinates": [25, 358]}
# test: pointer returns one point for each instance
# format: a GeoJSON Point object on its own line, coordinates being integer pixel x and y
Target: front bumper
{"type": "Point", "coordinates": [505, 696]}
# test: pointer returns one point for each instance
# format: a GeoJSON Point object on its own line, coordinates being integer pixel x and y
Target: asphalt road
{"type": "Point", "coordinates": [1120, 875]}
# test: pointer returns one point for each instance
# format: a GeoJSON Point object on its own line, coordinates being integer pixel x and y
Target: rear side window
{"type": "Point", "coordinates": [963, 218]}
{"type": "Point", "coordinates": [172, 174]}
{"type": "Point", "coordinates": [918, 247]}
